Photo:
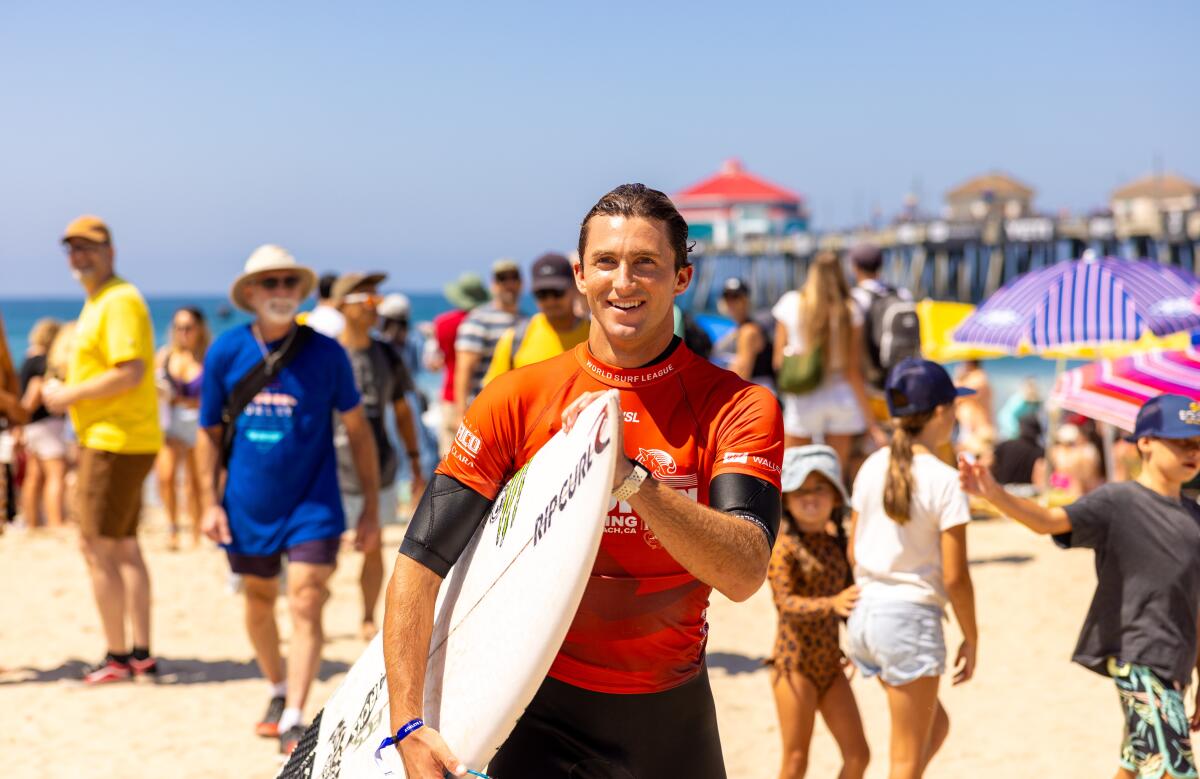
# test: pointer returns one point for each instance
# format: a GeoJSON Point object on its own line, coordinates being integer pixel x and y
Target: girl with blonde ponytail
{"type": "Point", "coordinates": [908, 545]}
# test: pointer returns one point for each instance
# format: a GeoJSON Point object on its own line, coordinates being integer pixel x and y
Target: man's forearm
{"type": "Point", "coordinates": [208, 441]}
{"type": "Point", "coordinates": [366, 462]}
{"type": "Point", "coordinates": [407, 628]}
{"type": "Point", "coordinates": [113, 381]}
{"type": "Point", "coordinates": [406, 426]}
{"type": "Point", "coordinates": [725, 552]}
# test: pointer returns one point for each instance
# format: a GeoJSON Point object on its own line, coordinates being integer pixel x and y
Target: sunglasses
{"type": "Point", "coordinates": [732, 295]}
{"type": "Point", "coordinates": [362, 297]}
{"type": "Point", "coordinates": [548, 294]}
{"type": "Point", "coordinates": [275, 282]}
{"type": "Point", "coordinates": [507, 277]}
{"type": "Point", "coordinates": [90, 247]}
{"type": "Point", "coordinates": [185, 328]}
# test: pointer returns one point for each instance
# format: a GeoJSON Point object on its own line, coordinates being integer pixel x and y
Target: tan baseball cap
{"type": "Point", "coordinates": [88, 227]}
{"type": "Point", "coordinates": [349, 282]}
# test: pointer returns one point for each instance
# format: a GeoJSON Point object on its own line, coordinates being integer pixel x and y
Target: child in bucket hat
{"type": "Point", "coordinates": [813, 591]}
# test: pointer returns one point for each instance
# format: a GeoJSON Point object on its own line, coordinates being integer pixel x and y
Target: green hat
{"type": "Point", "coordinates": [466, 292]}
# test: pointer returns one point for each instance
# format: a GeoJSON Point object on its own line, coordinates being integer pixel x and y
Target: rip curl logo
{"type": "Point", "coordinates": [505, 507]}
{"type": "Point", "coordinates": [1190, 415]}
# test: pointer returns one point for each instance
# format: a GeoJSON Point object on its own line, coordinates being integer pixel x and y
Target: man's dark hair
{"type": "Point", "coordinates": [638, 200]}
{"type": "Point", "coordinates": [325, 285]}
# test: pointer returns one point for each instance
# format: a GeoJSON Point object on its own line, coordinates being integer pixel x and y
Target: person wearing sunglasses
{"type": "Point", "coordinates": [382, 380]}
{"type": "Point", "coordinates": [281, 491]}
{"type": "Point", "coordinates": [477, 336]}
{"type": "Point", "coordinates": [114, 409]}
{"type": "Point", "coordinates": [554, 329]}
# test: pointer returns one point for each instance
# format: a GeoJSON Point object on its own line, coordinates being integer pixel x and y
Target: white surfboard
{"type": "Point", "coordinates": [502, 613]}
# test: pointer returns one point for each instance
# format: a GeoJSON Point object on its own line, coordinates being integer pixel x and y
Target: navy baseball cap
{"type": "Point", "coordinates": [1168, 416]}
{"type": "Point", "coordinates": [917, 386]}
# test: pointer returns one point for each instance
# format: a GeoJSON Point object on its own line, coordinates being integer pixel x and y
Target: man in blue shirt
{"type": "Point", "coordinates": [281, 490]}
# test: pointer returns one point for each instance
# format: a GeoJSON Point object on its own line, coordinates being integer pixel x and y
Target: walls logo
{"type": "Point", "coordinates": [735, 457]}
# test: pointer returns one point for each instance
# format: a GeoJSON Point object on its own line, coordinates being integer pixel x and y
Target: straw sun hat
{"type": "Point", "coordinates": [265, 259]}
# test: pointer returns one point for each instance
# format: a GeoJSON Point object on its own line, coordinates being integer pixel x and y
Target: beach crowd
{"type": "Point", "coordinates": [290, 441]}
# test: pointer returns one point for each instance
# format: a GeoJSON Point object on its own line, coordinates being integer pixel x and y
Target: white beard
{"type": "Point", "coordinates": [278, 311]}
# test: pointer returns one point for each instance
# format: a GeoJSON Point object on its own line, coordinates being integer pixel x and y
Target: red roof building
{"type": "Point", "coordinates": [735, 205]}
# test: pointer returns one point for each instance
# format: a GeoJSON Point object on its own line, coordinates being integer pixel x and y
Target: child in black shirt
{"type": "Point", "coordinates": [1141, 627]}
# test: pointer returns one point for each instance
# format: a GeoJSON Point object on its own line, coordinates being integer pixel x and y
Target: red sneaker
{"type": "Point", "coordinates": [146, 669]}
{"type": "Point", "coordinates": [108, 670]}
{"type": "Point", "coordinates": [289, 740]}
{"type": "Point", "coordinates": [268, 726]}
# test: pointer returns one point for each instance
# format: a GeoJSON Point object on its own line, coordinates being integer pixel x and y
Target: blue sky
{"type": "Point", "coordinates": [430, 139]}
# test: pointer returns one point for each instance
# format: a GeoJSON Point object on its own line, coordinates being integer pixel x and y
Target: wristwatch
{"type": "Point", "coordinates": [633, 482]}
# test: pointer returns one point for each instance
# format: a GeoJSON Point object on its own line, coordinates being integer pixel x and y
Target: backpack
{"type": "Point", "coordinates": [893, 333]}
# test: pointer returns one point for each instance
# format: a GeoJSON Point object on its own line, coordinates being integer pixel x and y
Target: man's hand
{"type": "Point", "coordinates": [216, 524]}
{"type": "Point", "coordinates": [57, 397]}
{"type": "Point", "coordinates": [964, 663]}
{"type": "Point", "coordinates": [426, 755]}
{"type": "Point", "coordinates": [366, 535]}
{"type": "Point", "coordinates": [843, 602]}
{"type": "Point", "coordinates": [571, 413]}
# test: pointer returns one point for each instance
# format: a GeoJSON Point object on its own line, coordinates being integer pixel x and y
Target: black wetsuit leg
{"type": "Point", "coordinates": [571, 733]}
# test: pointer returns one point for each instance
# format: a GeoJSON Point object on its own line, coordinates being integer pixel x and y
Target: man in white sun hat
{"type": "Point", "coordinates": [267, 402]}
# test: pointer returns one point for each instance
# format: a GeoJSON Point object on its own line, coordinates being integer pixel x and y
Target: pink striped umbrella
{"type": "Point", "coordinates": [1113, 390]}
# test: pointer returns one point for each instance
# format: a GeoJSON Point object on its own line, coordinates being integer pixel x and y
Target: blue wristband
{"type": "Point", "coordinates": [404, 732]}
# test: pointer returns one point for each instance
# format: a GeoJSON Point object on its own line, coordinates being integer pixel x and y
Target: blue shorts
{"type": "Point", "coordinates": [320, 551]}
{"type": "Point", "coordinates": [897, 641]}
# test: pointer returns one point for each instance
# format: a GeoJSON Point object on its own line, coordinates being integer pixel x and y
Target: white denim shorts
{"type": "Point", "coordinates": [46, 439]}
{"type": "Point", "coordinates": [897, 641]}
{"type": "Point", "coordinates": [830, 409]}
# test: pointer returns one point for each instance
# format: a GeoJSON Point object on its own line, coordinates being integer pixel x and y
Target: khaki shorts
{"type": "Point", "coordinates": [110, 492]}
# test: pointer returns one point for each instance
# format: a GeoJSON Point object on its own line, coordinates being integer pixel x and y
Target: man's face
{"type": "Point", "coordinates": [506, 287]}
{"type": "Point", "coordinates": [628, 277]}
{"type": "Point", "coordinates": [555, 304]}
{"type": "Point", "coordinates": [359, 307]}
{"type": "Point", "coordinates": [1177, 458]}
{"type": "Point", "coordinates": [275, 296]}
{"type": "Point", "coordinates": [88, 259]}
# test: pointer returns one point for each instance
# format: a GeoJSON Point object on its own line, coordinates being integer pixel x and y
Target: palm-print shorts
{"type": "Point", "coordinates": [1157, 740]}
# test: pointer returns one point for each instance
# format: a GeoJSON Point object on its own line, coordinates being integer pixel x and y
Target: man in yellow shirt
{"type": "Point", "coordinates": [550, 332]}
{"type": "Point", "coordinates": [114, 408]}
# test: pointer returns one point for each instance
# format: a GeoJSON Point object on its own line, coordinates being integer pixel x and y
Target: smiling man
{"type": "Point", "coordinates": [114, 408]}
{"type": "Point", "coordinates": [628, 693]}
{"type": "Point", "coordinates": [280, 495]}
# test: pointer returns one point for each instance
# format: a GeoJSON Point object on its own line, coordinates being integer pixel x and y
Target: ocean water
{"type": "Point", "coordinates": [19, 315]}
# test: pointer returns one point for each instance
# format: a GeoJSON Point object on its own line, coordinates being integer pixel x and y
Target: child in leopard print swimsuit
{"type": "Point", "coordinates": [810, 580]}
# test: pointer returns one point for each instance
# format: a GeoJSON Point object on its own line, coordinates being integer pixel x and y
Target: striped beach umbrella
{"type": "Point", "coordinates": [1084, 302]}
{"type": "Point", "coordinates": [1113, 390]}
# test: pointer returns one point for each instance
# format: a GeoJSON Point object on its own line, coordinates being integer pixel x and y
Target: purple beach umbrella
{"type": "Point", "coordinates": [1085, 302]}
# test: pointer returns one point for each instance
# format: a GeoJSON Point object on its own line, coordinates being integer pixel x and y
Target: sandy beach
{"type": "Point", "coordinates": [1028, 712]}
